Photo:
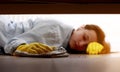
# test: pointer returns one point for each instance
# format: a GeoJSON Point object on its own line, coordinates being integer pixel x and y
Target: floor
{"type": "Point", "coordinates": [73, 63]}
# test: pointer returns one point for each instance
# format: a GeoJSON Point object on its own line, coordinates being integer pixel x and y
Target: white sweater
{"type": "Point", "coordinates": [50, 32]}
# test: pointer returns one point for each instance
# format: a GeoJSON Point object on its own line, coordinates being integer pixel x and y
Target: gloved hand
{"type": "Point", "coordinates": [34, 48]}
{"type": "Point", "coordinates": [94, 48]}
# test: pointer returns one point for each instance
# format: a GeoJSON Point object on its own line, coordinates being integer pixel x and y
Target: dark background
{"type": "Point", "coordinates": [63, 1]}
{"type": "Point", "coordinates": [59, 7]}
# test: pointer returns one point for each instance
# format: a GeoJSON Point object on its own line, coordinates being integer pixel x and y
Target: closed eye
{"type": "Point", "coordinates": [85, 37]}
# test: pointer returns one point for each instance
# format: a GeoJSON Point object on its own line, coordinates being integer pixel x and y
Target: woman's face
{"type": "Point", "coordinates": [81, 37]}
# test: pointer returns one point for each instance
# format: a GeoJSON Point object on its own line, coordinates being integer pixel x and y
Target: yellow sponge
{"type": "Point", "coordinates": [94, 48]}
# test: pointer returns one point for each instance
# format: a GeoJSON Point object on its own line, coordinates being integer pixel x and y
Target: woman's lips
{"type": "Point", "coordinates": [79, 48]}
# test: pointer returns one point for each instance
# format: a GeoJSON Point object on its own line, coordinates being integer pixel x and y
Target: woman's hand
{"type": "Point", "coordinates": [35, 48]}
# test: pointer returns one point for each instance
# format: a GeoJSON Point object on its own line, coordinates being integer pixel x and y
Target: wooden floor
{"type": "Point", "coordinates": [73, 63]}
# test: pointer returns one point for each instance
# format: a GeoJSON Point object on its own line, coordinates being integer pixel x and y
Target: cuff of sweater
{"type": "Point", "coordinates": [11, 46]}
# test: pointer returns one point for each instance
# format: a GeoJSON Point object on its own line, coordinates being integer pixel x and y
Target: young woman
{"type": "Point", "coordinates": [50, 32]}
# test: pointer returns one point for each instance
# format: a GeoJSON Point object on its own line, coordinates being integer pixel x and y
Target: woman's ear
{"type": "Point", "coordinates": [81, 27]}
{"type": "Point", "coordinates": [78, 28]}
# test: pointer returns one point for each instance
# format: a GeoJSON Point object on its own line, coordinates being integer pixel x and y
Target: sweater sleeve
{"type": "Point", "coordinates": [12, 45]}
{"type": "Point", "coordinates": [49, 32]}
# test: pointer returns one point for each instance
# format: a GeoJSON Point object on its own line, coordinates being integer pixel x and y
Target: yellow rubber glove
{"type": "Point", "coordinates": [94, 48]}
{"type": "Point", "coordinates": [35, 48]}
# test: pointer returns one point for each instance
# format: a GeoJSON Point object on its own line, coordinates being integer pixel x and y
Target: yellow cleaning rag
{"type": "Point", "coordinates": [40, 50]}
{"type": "Point", "coordinates": [35, 48]}
{"type": "Point", "coordinates": [94, 48]}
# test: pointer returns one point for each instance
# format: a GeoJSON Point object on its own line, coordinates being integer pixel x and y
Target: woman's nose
{"type": "Point", "coordinates": [82, 43]}
{"type": "Point", "coordinates": [82, 46]}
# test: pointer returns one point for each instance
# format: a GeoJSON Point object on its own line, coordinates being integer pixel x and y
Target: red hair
{"type": "Point", "coordinates": [100, 37]}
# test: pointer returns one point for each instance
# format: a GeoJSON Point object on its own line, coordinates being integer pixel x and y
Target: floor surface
{"type": "Point", "coordinates": [73, 63]}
